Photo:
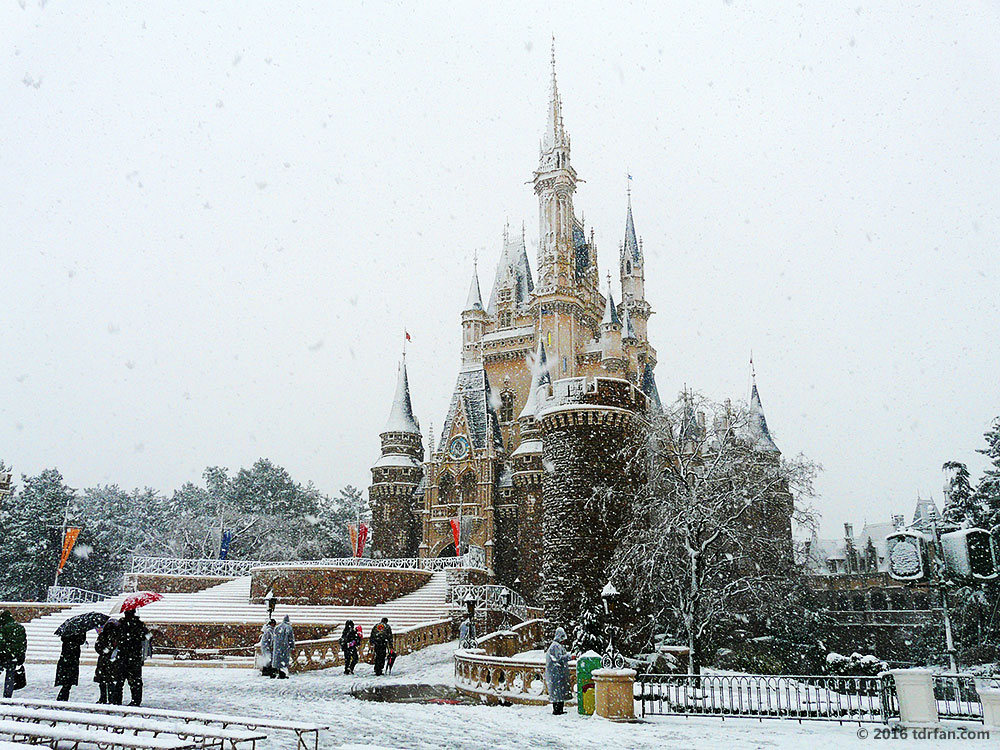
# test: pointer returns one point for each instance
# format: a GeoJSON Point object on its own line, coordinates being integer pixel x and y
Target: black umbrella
{"type": "Point", "coordinates": [81, 624]}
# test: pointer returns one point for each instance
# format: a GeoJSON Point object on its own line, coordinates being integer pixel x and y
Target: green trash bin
{"type": "Point", "coordinates": [586, 663]}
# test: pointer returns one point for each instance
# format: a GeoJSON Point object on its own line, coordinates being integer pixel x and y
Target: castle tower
{"type": "Point", "coordinates": [528, 471]}
{"type": "Point", "coordinates": [611, 336]}
{"type": "Point", "coordinates": [474, 320]}
{"type": "Point", "coordinates": [557, 296]}
{"type": "Point", "coordinates": [396, 477]}
{"type": "Point", "coordinates": [633, 277]}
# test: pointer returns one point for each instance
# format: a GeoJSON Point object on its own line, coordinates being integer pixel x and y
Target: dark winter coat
{"type": "Point", "coordinates": [557, 669]}
{"type": "Point", "coordinates": [107, 669]}
{"type": "Point", "coordinates": [349, 638]}
{"type": "Point", "coordinates": [68, 668]}
{"type": "Point", "coordinates": [132, 636]}
{"type": "Point", "coordinates": [381, 637]}
{"type": "Point", "coordinates": [284, 642]}
{"type": "Point", "coordinates": [13, 641]}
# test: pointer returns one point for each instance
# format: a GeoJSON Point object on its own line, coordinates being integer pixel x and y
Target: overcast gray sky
{"type": "Point", "coordinates": [218, 217]}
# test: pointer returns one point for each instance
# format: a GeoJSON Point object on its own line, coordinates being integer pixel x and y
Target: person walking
{"type": "Point", "coordinates": [349, 642]}
{"type": "Point", "coordinates": [557, 672]}
{"type": "Point", "coordinates": [266, 648]}
{"type": "Point", "coordinates": [281, 655]}
{"type": "Point", "coordinates": [381, 641]}
{"type": "Point", "coordinates": [13, 645]}
{"type": "Point", "coordinates": [133, 647]}
{"type": "Point", "coordinates": [107, 674]}
{"type": "Point", "coordinates": [68, 668]}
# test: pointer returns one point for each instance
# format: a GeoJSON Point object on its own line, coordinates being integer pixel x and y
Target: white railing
{"type": "Point", "coordinates": [178, 566]}
{"type": "Point", "coordinates": [73, 595]}
{"type": "Point", "coordinates": [489, 597]}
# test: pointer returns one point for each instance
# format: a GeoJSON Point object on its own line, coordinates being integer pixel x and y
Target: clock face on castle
{"type": "Point", "coordinates": [458, 448]}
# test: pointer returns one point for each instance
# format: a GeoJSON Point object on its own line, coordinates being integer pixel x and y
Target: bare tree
{"type": "Point", "coordinates": [711, 530]}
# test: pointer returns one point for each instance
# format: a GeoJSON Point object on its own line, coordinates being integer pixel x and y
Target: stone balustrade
{"type": "Point", "coordinates": [504, 679]}
{"type": "Point", "coordinates": [323, 653]}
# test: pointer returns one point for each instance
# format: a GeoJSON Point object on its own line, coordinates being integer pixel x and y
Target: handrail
{"type": "Point", "coordinates": [146, 565]}
{"type": "Point", "coordinates": [490, 597]}
{"type": "Point", "coordinates": [73, 595]}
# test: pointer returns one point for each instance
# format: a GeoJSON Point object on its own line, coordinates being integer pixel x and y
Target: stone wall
{"type": "Point", "coordinates": [585, 498]}
{"type": "Point", "coordinates": [330, 586]}
{"type": "Point", "coordinates": [238, 637]}
{"type": "Point", "coordinates": [24, 611]}
{"type": "Point", "coordinates": [166, 584]}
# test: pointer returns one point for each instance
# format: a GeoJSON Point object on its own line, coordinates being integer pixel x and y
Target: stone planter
{"type": "Point", "coordinates": [613, 694]}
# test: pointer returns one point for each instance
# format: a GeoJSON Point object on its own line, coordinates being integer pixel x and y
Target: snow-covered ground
{"type": "Point", "coordinates": [324, 697]}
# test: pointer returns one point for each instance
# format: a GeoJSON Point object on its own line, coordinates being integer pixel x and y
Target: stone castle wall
{"type": "Point", "coordinates": [330, 586]}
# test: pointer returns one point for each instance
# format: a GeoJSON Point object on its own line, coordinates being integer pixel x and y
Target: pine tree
{"type": "Point", "coordinates": [960, 507]}
{"type": "Point", "coordinates": [589, 633]}
{"type": "Point", "coordinates": [30, 545]}
{"type": "Point", "coordinates": [988, 490]}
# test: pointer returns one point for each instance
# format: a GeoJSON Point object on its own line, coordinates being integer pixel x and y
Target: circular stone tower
{"type": "Point", "coordinates": [587, 484]}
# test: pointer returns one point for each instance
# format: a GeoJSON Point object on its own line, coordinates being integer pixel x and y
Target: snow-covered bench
{"type": "Point", "coordinates": [201, 734]}
{"type": "Point", "coordinates": [302, 730]}
{"type": "Point", "coordinates": [74, 736]}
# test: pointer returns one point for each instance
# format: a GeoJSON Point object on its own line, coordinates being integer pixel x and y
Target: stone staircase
{"type": "Point", "coordinates": [230, 603]}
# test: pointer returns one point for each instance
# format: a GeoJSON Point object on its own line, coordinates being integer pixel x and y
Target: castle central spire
{"type": "Point", "coordinates": [555, 131]}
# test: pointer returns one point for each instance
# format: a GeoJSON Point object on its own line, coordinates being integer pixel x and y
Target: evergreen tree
{"type": "Point", "coordinates": [960, 506]}
{"type": "Point", "coordinates": [31, 545]}
{"type": "Point", "coordinates": [988, 490]}
{"type": "Point", "coordinates": [590, 632]}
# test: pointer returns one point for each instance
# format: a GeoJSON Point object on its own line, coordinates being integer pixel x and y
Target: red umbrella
{"type": "Point", "coordinates": [139, 599]}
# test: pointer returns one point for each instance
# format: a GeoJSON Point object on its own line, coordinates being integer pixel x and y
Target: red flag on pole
{"type": "Point", "coordinates": [362, 538]}
{"type": "Point", "coordinates": [455, 533]}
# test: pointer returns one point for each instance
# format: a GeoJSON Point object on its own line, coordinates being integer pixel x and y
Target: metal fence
{"type": "Point", "coordinates": [815, 697]}
{"type": "Point", "coordinates": [487, 597]}
{"type": "Point", "coordinates": [177, 566]}
{"type": "Point", "coordinates": [73, 595]}
{"type": "Point", "coordinates": [957, 697]}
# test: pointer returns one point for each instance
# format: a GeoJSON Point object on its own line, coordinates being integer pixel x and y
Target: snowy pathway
{"type": "Point", "coordinates": [324, 697]}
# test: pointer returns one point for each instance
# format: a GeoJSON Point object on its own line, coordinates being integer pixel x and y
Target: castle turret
{"type": "Point", "coordinates": [557, 296]}
{"type": "Point", "coordinates": [474, 319]}
{"type": "Point", "coordinates": [396, 477]}
{"type": "Point", "coordinates": [528, 472]}
{"type": "Point", "coordinates": [633, 277]}
{"type": "Point", "coordinates": [759, 434]}
{"type": "Point", "coordinates": [611, 336]}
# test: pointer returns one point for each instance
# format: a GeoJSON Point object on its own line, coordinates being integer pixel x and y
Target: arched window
{"type": "Point", "coordinates": [467, 488]}
{"type": "Point", "coordinates": [505, 319]}
{"type": "Point", "coordinates": [507, 406]}
{"type": "Point", "coordinates": [446, 489]}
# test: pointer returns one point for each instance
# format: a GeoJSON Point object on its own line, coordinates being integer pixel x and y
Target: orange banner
{"type": "Point", "coordinates": [71, 534]}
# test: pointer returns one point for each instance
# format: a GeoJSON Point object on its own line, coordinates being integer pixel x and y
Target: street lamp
{"type": "Point", "coordinates": [470, 634]}
{"type": "Point", "coordinates": [611, 659]}
{"type": "Point", "coordinates": [505, 598]}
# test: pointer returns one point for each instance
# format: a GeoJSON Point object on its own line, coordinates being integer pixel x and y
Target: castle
{"type": "Point", "coordinates": [554, 375]}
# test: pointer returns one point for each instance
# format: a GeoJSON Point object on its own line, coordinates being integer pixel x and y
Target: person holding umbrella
{"type": "Point", "coordinates": [133, 643]}
{"type": "Point", "coordinates": [73, 633]}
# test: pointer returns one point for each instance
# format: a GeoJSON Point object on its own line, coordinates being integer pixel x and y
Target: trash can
{"type": "Point", "coordinates": [586, 663]}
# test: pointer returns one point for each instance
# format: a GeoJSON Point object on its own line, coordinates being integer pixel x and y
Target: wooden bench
{"type": "Point", "coordinates": [203, 735]}
{"type": "Point", "coordinates": [307, 734]}
{"type": "Point", "coordinates": [74, 736]}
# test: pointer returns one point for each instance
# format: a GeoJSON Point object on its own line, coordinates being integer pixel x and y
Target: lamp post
{"type": "Point", "coordinates": [470, 605]}
{"type": "Point", "coordinates": [611, 659]}
{"type": "Point", "coordinates": [505, 606]}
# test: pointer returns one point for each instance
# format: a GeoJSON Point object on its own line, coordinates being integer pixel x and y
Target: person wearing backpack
{"type": "Point", "coordinates": [381, 642]}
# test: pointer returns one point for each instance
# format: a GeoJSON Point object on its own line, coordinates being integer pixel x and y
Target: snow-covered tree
{"type": "Point", "coordinates": [711, 528]}
{"type": "Point", "coordinates": [988, 489]}
{"type": "Point", "coordinates": [960, 508]}
{"type": "Point", "coordinates": [30, 545]}
{"type": "Point", "coordinates": [590, 632]}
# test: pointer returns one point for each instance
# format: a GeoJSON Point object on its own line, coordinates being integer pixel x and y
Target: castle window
{"type": "Point", "coordinates": [446, 488]}
{"type": "Point", "coordinates": [565, 364]}
{"type": "Point", "coordinates": [507, 406]}
{"type": "Point", "coordinates": [505, 319]}
{"type": "Point", "coordinates": [467, 488]}
{"type": "Point", "coordinates": [628, 267]}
